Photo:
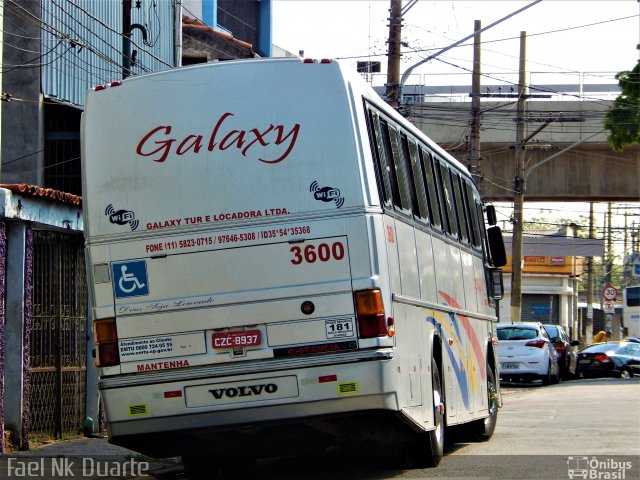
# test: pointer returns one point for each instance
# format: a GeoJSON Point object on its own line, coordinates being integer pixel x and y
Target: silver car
{"type": "Point", "coordinates": [526, 353]}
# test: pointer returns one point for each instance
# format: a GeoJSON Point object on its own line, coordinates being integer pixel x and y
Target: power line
{"type": "Point", "coordinates": [120, 34]}
{"type": "Point", "coordinates": [79, 42]}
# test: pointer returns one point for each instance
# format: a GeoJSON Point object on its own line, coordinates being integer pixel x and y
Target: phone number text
{"type": "Point", "coordinates": [208, 240]}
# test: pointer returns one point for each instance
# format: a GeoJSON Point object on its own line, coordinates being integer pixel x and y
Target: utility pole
{"type": "Point", "coordinates": [393, 62]}
{"type": "Point", "coordinates": [519, 187]}
{"type": "Point", "coordinates": [626, 273]}
{"type": "Point", "coordinates": [608, 275]}
{"type": "Point", "coordinates": [588, 327]}
{"type": "Point", "coordinates": [128, 56]}
{"type": "Point", "coordinates": [474, 136]}
{"type": "Point", "coordinates": [126, 38]}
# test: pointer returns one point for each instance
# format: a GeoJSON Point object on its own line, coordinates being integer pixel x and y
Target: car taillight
{"type": "Point", "coordinates": [602, 358]}
{"type": "Point", "coordinates": [539, 343]}
{"type": "Point", "coordinates": [370, 314]}
{"type": "Point", "coordinates": [560, 347]}
{"type": "Point", "coordinates": [106, 339]}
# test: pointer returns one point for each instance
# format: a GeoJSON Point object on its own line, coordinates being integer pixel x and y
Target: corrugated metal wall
{"type": "Point", "coordinates": [82, 43]}
{"type": "Point", "coordinates": [543, 308]}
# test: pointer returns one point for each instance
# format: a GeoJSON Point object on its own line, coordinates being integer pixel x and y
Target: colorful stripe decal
{"type": "Point", "coordinates": [458, 368]}
{"type": "Point", "coordinates": [473, 338]}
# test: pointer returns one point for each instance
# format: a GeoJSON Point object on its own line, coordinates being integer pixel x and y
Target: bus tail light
{"type": "Point", "coordinates": [106, 338]}
{"type": "Point", "coordinates": [370, 314]}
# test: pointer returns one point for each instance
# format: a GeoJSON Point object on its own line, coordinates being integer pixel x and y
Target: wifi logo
{"type": "Point", "coordinates": [122, 217]}
{"type": "Point", "coordinates": [327, 194]}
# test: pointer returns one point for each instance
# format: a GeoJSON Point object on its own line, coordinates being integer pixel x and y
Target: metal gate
{"type": "Point", "coordinates": [58, 338]}
{"type": "Point", "coordinates": [541, 308]}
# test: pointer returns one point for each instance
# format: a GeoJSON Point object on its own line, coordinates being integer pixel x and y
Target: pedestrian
{"type": "Point", "coordinates": [601, 336]}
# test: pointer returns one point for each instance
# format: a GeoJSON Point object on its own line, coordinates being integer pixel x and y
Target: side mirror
{"type": "Point", "coordinates": [496, 247]}
{"type": "Point", "coordinates": [575, 343]}
{"type": "Point", "coordinates": [492, 218]}
{"type": "Point", "coordinates": [497, 286]}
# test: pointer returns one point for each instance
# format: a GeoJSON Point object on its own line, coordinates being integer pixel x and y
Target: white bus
{"type": "Point", "coordinates": [279, 263]}
{"type": "Point", "coordinates": [631, 311]}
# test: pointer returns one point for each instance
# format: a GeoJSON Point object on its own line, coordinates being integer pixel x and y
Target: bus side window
{"type": "Point", "coordinates": [463, 223]}
{"type": "Point", "coordinates": [483, 232]}
{"type": "Point", "coordinates": [421, 204]}
{"type": "Point", "coordinates": [472, 213]}
{"type": "Point", "coordinates": [380, 155]}
{"type": "Point", "coordinates": [447, 194]}
{"type": "Point", "coordinates": [432, 189]}
{"type": "Point", "coordinates": [400, 168]}
{"type": "Point", "coordinates": [388, 164]}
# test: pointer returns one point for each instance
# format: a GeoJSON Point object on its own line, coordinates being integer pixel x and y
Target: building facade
{"type": "Point", "coordinates": [549, 291]}
{"type": "Point", "coordinates": [53, 53]}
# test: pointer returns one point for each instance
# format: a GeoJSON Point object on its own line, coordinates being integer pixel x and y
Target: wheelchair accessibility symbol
{"type": "Point", "coordinates": [130, 278]}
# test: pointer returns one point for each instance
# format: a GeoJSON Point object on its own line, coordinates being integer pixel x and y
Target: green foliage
{"type": "Point", "coordinates": [623, 118]}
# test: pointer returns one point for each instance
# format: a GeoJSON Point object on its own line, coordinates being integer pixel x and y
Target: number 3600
{"type": "Point", "coordinates": [314, 253]}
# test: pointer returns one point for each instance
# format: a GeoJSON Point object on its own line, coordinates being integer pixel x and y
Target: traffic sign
{"type": "Point", "coordinates": [609, 306]}
{"type": "Point", "coordinates": [609, 292]}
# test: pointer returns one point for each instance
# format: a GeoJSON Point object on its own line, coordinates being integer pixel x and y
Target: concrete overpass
{"type": "Point", "coordinates": [590, 171]}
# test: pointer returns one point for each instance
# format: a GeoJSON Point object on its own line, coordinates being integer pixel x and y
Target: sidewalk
{"type": "Point", "coordinates": [80, 447]}
{"type": "Point", "coordinates": [87, 458]}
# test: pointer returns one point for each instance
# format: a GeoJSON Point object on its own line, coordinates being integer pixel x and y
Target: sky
{"type": "Point", "coordinates": [358, 30]}
{"type": "Point", "coordinates": [567, 42]}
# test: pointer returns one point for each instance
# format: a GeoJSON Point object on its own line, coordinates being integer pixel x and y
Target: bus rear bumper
{"type": "Point", "coordinates": [246, 432]}
{"type": "Point", "coordinates": [171, 412]}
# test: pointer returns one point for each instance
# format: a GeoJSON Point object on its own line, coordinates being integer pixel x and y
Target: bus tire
{"type": "Point", "coordinates": [482, 430]}
{"type": "Point", "coordinates": [427, 449]}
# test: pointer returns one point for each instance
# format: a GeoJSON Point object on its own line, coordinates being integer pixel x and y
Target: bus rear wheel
{"type": "Point", "coordinates": [427, 449]}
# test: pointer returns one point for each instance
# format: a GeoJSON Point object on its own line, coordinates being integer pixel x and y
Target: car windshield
{"type": "Point", "coordinates": [517, 333]}
{"type": "Point", "coordinates": [552, 330]}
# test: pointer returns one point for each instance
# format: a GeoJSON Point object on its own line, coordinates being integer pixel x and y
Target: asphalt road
{"type": "Point", "coordinates": [586, 428]}
{"type": "Point", "coordinates": [582, 429]}
{"type": "Point", "coordinates": [578, 429]}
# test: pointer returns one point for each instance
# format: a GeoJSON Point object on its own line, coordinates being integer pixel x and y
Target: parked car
{"type": "Point", "coordinates": [566, 349]}
{"type": "Point", "coordinates": [525, 352]}
{"type": "Point", "coordinates": [612, 359]}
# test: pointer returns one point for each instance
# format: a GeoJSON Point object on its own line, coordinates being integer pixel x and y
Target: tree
{"type": "Point", "coordinates": [623, 118]}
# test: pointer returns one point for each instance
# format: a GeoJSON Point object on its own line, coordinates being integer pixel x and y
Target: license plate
{"type": "Point", "coordinates": [339, 328]}
{"type": "Point", "coordinates": [584, 362]}
{"type": "Point", "coordinates": [509, 366]}
{"type": "Point", "coordinates": [240, 339]}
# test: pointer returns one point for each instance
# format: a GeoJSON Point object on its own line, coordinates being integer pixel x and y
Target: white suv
{"type": "Point", "coordinates": [525, 352]}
